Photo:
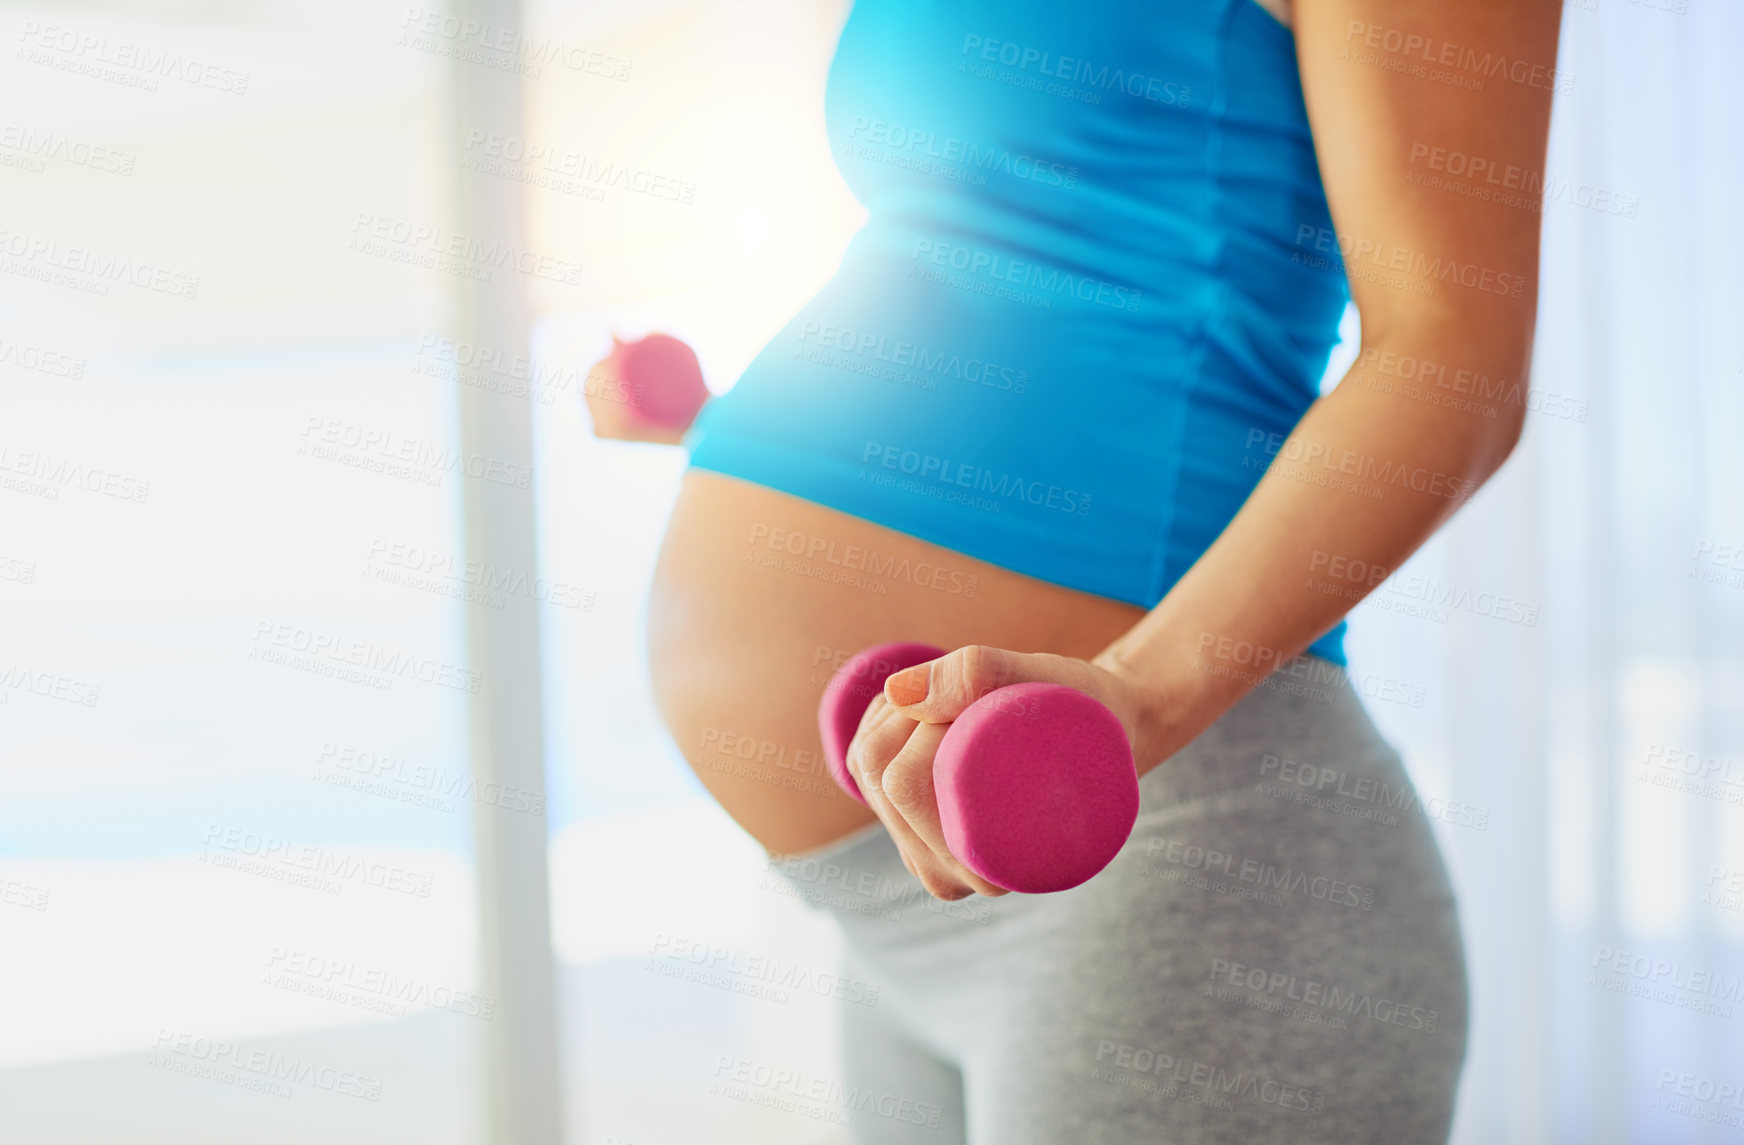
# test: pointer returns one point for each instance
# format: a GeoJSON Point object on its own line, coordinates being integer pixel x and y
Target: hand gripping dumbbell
{"type": "Point", "coordinates": [1035, 782]}
{"type": "Point", "coordinates": [663, 380]}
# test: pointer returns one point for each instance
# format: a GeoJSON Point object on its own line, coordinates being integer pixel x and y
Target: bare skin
{"type": "Point", "coordinates": [746, 650]}
{"type": "Point", "coordinates": [735, 646]}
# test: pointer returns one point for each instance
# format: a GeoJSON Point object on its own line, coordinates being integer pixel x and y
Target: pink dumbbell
{"type": "Point", "coordinates": [664, 380]}
{"type": "Point", "coordinates": [1035, 782]}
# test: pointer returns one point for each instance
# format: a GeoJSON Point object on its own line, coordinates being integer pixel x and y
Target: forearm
{"type": "Point", "coordinates": [1365, 478]}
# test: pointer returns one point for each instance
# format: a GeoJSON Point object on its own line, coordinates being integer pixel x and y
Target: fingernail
{"type": "Point", "coordinates": [908, 686]}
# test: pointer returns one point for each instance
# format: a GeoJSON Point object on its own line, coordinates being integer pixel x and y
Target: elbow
{"type": "Point", "coordinates": [1492, 355]}
{"type": "Point", "coordinates": [1509, 425]}
{"type": "Point", "coordinates": [1490, 438]}
{"type": "Point", "coordinates": [1499, 444]}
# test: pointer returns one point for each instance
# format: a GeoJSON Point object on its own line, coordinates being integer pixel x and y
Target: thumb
{"type": "Point", "coordinates": [938, 691]}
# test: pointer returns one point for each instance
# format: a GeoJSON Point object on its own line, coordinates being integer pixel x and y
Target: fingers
{"type": "Point", "coordinates": [608, 422]}
{"type": "Point", "coordinates": [610, 418]}
{"type": "Point", "coordinates": [884, 735]}
{"type": "Point", "coordinates": [908, 785]}
{"type": "Point", "coordinates": [895, 748]}
{"type": "Point", "coordinates": [937, 692]}
{"type": "Point", "coordinates": [882, 732]}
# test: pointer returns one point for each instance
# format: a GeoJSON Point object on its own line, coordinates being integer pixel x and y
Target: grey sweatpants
{"type": "Point", "coordinates": [1274, 957]}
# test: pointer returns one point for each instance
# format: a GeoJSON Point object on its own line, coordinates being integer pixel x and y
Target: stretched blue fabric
{"type": "Point", "coordinates": [1089, 302]}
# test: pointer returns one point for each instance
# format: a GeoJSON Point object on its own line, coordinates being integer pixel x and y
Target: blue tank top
{"type": "Point", "coordinates": [1081, 315]}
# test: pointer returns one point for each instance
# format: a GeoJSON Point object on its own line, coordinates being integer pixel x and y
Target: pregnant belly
{"type": "Point", "coordinates": [759, 595]}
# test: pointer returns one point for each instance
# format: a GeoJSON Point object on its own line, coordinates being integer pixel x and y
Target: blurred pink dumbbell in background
{"type": "Point", "coordinates": [647, 390]}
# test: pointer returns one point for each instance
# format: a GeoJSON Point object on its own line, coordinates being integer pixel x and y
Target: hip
{"type": "Point", "coordinates": [1282, 911]}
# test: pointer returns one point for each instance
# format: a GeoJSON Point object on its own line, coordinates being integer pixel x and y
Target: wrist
{"type": "Point", "coordinates": [1165, 698]}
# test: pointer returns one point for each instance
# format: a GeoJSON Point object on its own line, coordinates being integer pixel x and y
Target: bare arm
{"type": "Point", "coordinates": [1393, 89]}
{"type": "Point", "coordinates": [1267, 588]}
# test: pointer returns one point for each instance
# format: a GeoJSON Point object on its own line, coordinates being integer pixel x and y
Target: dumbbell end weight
{"type": "Point", "coordinates": [663, 380]}
{"type": "Point", "coordinates": [1044, 792]}
{"type": "Point", "coordinates": [850, 693]}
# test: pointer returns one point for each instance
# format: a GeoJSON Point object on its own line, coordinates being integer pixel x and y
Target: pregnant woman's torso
{"type": "Point", "coordinates": [1032, 394]}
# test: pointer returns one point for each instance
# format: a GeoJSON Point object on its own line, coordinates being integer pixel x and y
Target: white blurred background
{"type": "Point", "coordinates": [240, 873]}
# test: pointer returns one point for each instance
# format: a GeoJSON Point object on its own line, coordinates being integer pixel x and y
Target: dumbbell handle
{"type": "Point", "coordinates": [1035, 782]}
